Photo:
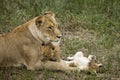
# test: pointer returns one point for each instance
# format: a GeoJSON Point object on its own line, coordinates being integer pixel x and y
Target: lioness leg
{"type": "Point", "coordinates": [55, 66]}
{"type": "Point", "coordinates": [31, 56]}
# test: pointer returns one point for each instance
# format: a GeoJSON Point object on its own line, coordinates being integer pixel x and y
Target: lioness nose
{"type": "Point", "coordinates": [59, 36]}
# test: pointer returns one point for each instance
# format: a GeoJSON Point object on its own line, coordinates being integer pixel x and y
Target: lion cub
{"type": "Point", "coordinates": [51, 52]}
{"type": "Point", "coordinates": [84, 63]}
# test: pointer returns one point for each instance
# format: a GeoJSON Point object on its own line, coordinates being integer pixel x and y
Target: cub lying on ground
{"type": "Point", "coordinates": [84, 63]}
{"type": "Point", "coordinates": [23, 44]}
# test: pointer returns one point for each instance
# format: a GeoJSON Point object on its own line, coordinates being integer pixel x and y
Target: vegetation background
{"type": "Point", "coordinates": [92, 26]}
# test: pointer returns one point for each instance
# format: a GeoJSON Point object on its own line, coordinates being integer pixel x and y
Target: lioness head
{"type": "Point", "coordinates": [48, 28]}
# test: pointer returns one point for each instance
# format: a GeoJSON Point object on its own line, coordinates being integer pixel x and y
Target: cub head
{"type": "Point", "coordinates": [93, 65]}
{"type": "Point", "coordinates": [51, 52]}
{"type": "Point", "coordinates": [48, 28]}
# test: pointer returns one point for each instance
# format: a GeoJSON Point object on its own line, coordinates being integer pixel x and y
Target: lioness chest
{"type": "Point", "coordinates": [17, 49]}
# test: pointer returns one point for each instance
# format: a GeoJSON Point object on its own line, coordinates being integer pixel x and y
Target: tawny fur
{"type": "Point", "coordinates": [51, 52]}
{"type": "Point", "coordinates": [23, 44]}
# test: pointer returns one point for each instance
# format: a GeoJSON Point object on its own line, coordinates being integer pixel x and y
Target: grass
{"type": "Point", "coordinates": [92, 26]}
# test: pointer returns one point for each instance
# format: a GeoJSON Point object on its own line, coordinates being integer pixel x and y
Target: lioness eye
{"type": "Point", "coordinates": [50, 27]}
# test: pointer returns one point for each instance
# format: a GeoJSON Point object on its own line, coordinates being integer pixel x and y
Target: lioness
{"type": "Point", "coordinates": [23, 44]}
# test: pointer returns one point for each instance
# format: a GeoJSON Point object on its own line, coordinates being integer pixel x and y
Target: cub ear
{"type": "Point", "coordinates": [39, 21]}
{"type": "Point", "coordinates": [49, 13]}
{"type": "Point", "coordinates": [92, 57]}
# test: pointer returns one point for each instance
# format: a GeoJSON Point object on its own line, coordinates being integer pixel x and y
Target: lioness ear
{"type": "Point", "coordinates": [39, 21]}
{"type": "Point", "coordinates": [49, 13]}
